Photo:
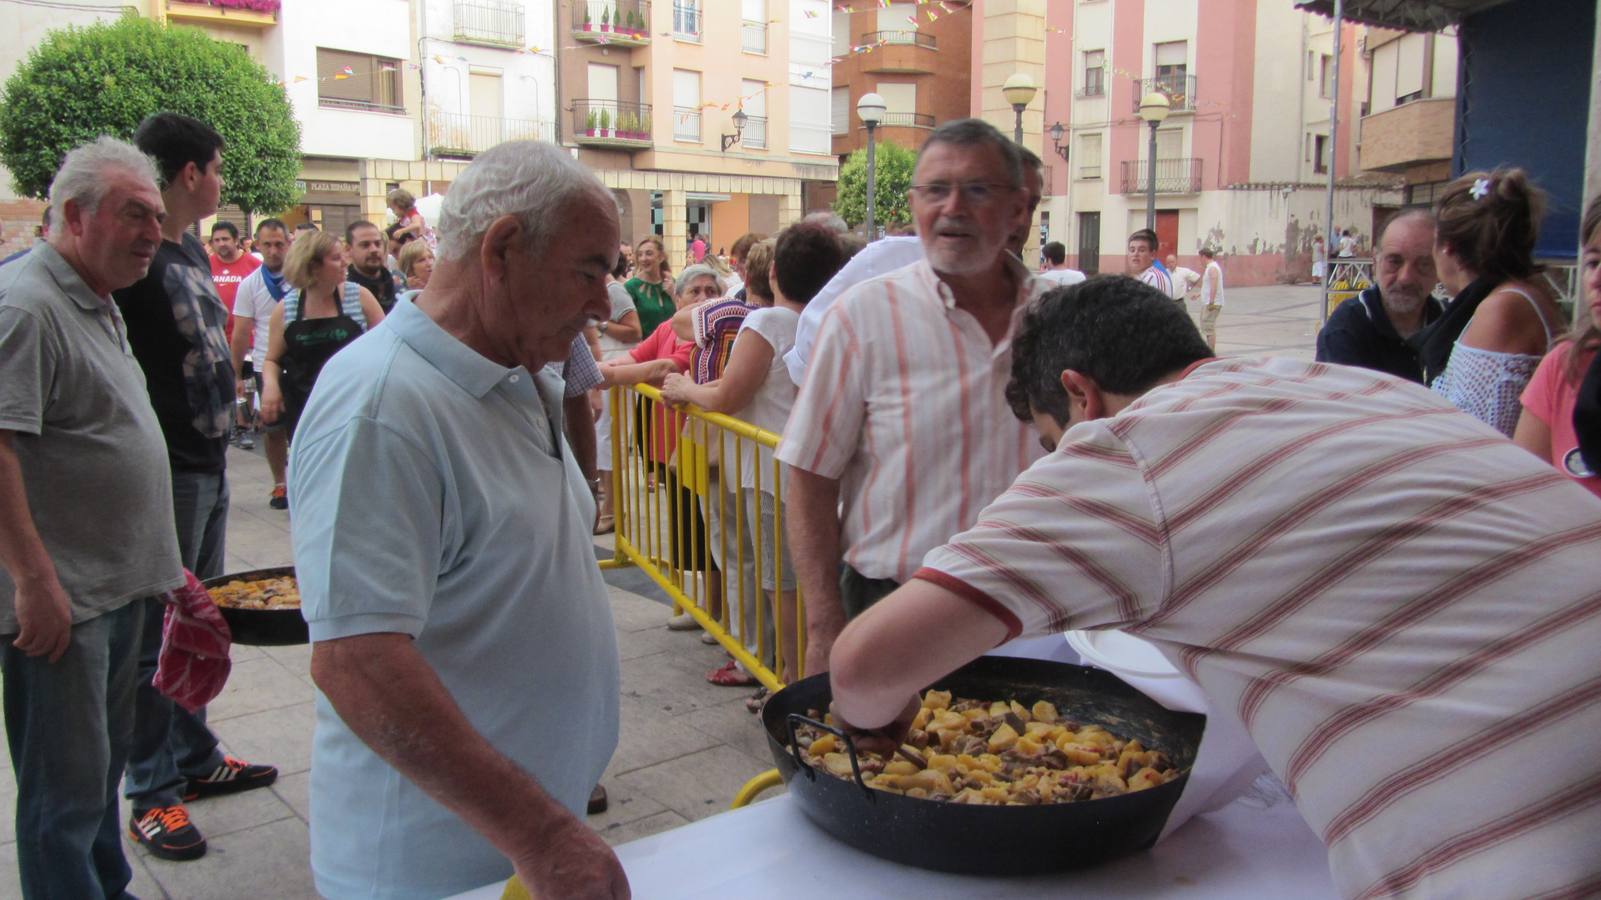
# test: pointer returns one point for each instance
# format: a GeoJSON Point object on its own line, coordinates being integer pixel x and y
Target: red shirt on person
{"type": "Point", "coordinates": [664, 344]}
{"type": "Point", "coordinates": [227, 275]}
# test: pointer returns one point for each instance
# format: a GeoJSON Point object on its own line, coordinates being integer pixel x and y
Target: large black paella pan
{"type": "Point", "coordinates": [996, 840]}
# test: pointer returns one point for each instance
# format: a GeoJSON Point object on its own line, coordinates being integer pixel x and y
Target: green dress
{"type": "Point", "coordinates": [651, 301]}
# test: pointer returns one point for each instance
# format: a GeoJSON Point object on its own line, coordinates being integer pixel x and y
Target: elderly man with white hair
{"type": "Point", "coordinates": [85, 518]}
{"type": "Point", "coordinates": [461, 639]}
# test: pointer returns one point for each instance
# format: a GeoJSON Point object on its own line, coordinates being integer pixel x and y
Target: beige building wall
{"type": "Point", "coordinates": [1011, 39]}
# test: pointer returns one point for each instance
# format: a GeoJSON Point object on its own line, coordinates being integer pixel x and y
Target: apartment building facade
{"type": "Point", "coordinates": [1410, 109]}
{"type": "Point", "coordinates": [921, 68]}
{"type": "Point", "coordinates": [1243, 156]}
{"type": "Point", "coordinates": [705, 118]}
{"type": "Point", "coordinates": [403, 93]}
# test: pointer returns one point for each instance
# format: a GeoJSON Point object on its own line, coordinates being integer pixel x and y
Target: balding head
{"type": "Point", "coordinates": [501, 283]}
{"type": "Point", "coordinates": [1404, 268]}
{"type": "Point", "coordinates": [532, 180]}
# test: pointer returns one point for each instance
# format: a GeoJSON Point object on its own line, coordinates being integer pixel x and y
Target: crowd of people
{"type": "Point", "coordinates": [1350, 555]}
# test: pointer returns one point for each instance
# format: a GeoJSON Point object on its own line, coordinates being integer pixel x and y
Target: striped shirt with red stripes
{"type": "Point", "coordinates": [904, 403]}
{"type": "Point", "coordinates": [1402, 607]}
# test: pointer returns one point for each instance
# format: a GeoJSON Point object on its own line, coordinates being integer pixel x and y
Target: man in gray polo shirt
{"type": "Point", "coordinates": [85, 518]}
{"type": "Point", "coordinates": [461, 639]}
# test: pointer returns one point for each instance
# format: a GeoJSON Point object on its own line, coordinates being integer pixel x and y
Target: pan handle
{"type": "Point", "coordinates": [850, 747]}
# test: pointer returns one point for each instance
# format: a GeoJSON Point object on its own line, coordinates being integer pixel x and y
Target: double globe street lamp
{"type": "Point", "coordinates": [871, 109]}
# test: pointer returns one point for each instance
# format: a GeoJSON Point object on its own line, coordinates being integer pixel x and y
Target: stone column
{"type": "Point", "coordinates": [790, 209]}
{"type": "Point", "coordinates": [675, 208]}
{"type": "Point", "coordinates": [1014, 41]}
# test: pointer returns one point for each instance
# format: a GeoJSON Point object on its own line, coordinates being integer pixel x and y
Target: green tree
{"type": "Point", "coordinates": [80, 83]}
{"type": "Point", "coordinates": [892, 165]}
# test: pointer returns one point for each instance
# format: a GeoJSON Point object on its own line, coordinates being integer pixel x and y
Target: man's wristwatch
{"type": "Point", "coordinates": [602, 326]}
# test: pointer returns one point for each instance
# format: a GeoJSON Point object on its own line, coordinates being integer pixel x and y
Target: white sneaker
{"type": "Point", "coordinates": [682, 622]}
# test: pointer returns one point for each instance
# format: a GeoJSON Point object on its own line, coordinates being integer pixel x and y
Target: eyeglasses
{"type": "Point", "coordinates": [978, 193]}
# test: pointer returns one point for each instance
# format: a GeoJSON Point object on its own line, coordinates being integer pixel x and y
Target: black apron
{"type": "Point", "coordinates": [308, 345]}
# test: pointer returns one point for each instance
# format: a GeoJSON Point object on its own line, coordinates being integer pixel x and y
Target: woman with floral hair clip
{"type": "Point", "coordinates": [1482, 352]}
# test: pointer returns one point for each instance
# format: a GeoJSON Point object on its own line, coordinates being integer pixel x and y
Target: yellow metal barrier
{"type": "Point", "coordinates": [755, 786]}
{"type": "Point", "coordinates": [691, 491]}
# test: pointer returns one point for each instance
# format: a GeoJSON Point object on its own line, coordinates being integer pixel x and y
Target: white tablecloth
{"type": "Point", "coordinates": [1256, 847]}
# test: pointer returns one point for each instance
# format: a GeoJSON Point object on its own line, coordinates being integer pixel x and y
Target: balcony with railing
{"type": "Point", "coordinates": [908, 37]}
{"type": "Point", "coordinates": [492, 23]}
{"type": "Point", "coordinates": [611, 123]}
{"type": "Point", "coordinates": [905, 51]}
{"type": "Point", "coordinates": [753, 36]}
{"type": "Point", "coordinates": [754, 137]}
{"type": "Point", "coordinates": [686, 123]}
{"type": "Point", "coordinates": [1412, 134]}
{"type": "Point", "coordinates": [905, 120]}
{"type": "Point", "coordinates": [621, 22]}
{"type": "Point", "coordinates": [1180, 91]}
{"type": "Point", "coordinates": [244, 13]}
{"type": "Point", "coordinates": [1173, 176]}
{"type": "Point", "coordinates": [461, 136]}
{"type": "Point", "coordinates": [687, 20]}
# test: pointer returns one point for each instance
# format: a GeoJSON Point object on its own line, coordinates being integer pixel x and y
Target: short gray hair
{"type": "Point", "coordinates": [531, 180]}
{"type": "Point", "coordinates": [976, 132]}
{"type": "Point", "coordinates": [82, 176]}
{"type": "Point", "coordinates": [828, 220]}
{"type": "Point", "coordinates": [695, 271]}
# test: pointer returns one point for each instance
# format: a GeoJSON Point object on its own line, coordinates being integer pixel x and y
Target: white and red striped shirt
{"type": "Point", "coordinates": [904, 403]}
{"type": "Point", "coordinates": [1158, 279]}
{"type": "Point", "coordinates": [1403, 608]}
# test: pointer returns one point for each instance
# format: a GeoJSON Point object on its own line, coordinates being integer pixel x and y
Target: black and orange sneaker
{"type": "Point", "coordinates": [167, 833]}
{"type": "Point", "coordinates": [231, 777]}
{"type": "Point", "coordinates": [279, 498]}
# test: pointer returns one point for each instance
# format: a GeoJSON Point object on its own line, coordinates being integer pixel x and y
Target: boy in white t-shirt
{"type": "Point", "coordinates": [1056, 269]}
{"type": "Point", "coordinates": [756, 388]}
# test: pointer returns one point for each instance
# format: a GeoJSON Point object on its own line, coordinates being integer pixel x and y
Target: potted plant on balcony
{"type": "Point", "coordinates": [605, 123]}
{"type": "Point", "coordinates": [605, 19]}
{"type": "Point", "coordinates": [589, 123]}
{"type": "Point", "coordinates": [644, 127]}
{"type": "Point", "coordinates": [588, 25]}
{"type": "Point", "coordinates": [636, 23]}
{"type": "Point", "coordinates": [625, 128]}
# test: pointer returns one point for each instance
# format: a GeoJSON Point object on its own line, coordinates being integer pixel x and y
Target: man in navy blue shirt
{"type": "Point", "coordinates": [1370, 330]}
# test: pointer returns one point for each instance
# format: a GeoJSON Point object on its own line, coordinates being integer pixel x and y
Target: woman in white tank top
{"type": "Point", "coordinates": [1487, 224]}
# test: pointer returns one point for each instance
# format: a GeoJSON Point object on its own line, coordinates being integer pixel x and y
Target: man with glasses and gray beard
{"type": "Point", "coordinates": [902, 414]}
{"type": "Point", "coordinates": [1371, 329]}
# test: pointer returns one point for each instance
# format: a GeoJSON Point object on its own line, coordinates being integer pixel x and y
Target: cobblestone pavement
{"type": "Point", "coordinates": [686, 745]}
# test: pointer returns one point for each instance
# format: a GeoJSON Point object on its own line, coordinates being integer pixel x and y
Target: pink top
{"type": "Point", "coordinates": [663, 344]}
{"type": "Point", "coordinates": [1549, 398]}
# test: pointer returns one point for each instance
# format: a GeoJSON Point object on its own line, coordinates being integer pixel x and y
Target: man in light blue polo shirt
{"type": "Point", "coordinates": [462, 642]}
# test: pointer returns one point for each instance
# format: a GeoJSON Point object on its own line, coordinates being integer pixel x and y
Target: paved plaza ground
{"type": "Point", "coordinates": [686, 745]}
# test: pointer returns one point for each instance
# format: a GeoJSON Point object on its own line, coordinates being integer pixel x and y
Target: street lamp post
{"type": "Point", "coordinates": [1153, 109]}
{"type": "Point", "coordinates": [1019, 91]}
{"type": "Point", "coordinates": [871, 110]}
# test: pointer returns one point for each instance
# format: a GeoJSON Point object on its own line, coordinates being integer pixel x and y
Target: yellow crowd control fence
{"type": "Point", "coordinates": [698, 500]}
